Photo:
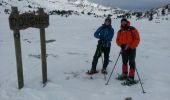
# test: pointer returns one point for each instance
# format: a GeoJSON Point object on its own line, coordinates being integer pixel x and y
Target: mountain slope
{"type": "Point", "coordinates": [157, 13]}
{"type": "Point", "coordinates": [51, 5]}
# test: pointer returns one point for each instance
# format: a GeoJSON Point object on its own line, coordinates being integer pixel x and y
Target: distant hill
{"type": "Point", "coordinates": [62, 7]}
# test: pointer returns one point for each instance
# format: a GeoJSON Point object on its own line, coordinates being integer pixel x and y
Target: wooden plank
{"type": "Point", "coordinates": [18, 59]}
{"type": "Point", "coordinates": [26, 20]}
{"type": "Point", "coordinates": [43, 55]}
{"type": "Point", "coordinates": [43, 50]}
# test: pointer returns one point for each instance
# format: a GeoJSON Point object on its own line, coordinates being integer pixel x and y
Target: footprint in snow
{"type": "Point", "coordinates": [39, 56]}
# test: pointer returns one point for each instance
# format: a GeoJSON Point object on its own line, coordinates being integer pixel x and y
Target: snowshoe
{"type": "Point", "coordinates": [91, 72]}
{"type": "Point", "coordinates": [130, 82]}
{"type": "Point", "coordinates": [128, 98]}
{"type": "Point", "coordinates": [122, 77]}
{"type": "Point", "coordinates": [104, 71]}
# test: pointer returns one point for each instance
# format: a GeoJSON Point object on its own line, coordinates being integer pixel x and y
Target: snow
{"type": "Point", "coordinates": [70, 56]}
{"type": "Point", "coordinates": [50, 5]}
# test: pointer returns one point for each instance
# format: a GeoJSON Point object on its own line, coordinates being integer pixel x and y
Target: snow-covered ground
{"type": "Point", "coordinates": [70, 55]}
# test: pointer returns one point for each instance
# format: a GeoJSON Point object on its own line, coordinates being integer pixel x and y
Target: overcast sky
{"type": "Point", "coordinates": [140, 5]}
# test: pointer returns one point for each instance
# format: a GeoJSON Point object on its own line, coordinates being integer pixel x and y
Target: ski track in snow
{"type": "Point", "coordinates": [69, 56]}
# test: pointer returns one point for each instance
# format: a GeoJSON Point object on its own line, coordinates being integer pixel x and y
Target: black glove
{"type": "Point", "coordinates": [123, 46]}
{"type": "Point", "coordinates": [100, 42]}
{"type": "Point", "coordinates": [102, 38]}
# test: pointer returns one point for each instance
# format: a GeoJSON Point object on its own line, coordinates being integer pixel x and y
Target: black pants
{"type": "Point", "coordinates": [97, 55]}
{"type": "Point", "coordinates": [129, 55]}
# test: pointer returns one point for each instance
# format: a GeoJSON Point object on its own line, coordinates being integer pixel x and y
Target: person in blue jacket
{"type": "Point", "coordinates": [104, 34]}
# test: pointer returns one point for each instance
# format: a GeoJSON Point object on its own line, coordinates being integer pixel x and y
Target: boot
{"type": "Point", "coordinates": [104, 71]}
{"type": "Point", "coordinates": [122, 77]}
{"type": "Point", "coordinates": [130, 81]}
{"type": "Point", "coordinates": [91, 72]}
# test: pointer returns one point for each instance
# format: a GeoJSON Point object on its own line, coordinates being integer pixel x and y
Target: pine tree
{"type": "Point", "coordinates": [163, 12]}
{"type": "Point", "coordinates": [139, 15]}
{"type": "Point", "coordinates": [151, 16]}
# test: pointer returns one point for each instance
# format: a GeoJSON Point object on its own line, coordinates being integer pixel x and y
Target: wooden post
{"type": "Point", "coordinates": [18, 59]}
{"type": "Point", "coordinates": [43, 50]}
{"type": "Point", "coordinates": [18, 53]}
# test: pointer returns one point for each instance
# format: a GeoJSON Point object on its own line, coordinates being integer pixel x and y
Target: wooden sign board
{"type": "Point", "coordinates": [18, 22]}
{"type": "Point", "coordinates": [26, 20]}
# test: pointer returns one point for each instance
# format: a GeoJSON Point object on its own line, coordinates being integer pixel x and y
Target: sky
{"type": "Point", "coordinates": [137, 5]}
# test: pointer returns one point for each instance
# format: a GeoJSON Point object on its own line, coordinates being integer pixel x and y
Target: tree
{"type": "Point", "coordinates": [6, 11]}
{"type": "Point", "coordinates": [89, 13]}
{"type": "Point", "coordinates": [151, 16]}
{"type": "Point", "coordinates": [127, 15]}
{"type": "Point", "coordinates": [29, 6]}
{"type": "Point", "coordinates": [110, 15]}
{"type": "Point", "coordinates": [139, 15]}
{"type": "Point", "coordinates": [163, 12]}
{"type": "Point", "coordinates": [82, 12]}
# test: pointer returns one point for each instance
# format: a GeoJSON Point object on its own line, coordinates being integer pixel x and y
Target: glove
{"type": "Point", "coordinates": [101, 38]}
{"type": "Point", "coordinates": [123, 46]}
{"type": "Point", "coordinates": [100, 42]}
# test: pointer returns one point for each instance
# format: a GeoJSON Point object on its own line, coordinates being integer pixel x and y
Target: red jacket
{"type": "Point", "coordinates": [129, 37]}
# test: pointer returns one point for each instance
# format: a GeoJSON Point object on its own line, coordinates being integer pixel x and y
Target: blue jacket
{"type": "Point", "coordinates": [105, 35]}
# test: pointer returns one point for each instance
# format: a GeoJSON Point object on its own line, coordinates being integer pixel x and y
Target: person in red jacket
{"type": "Point", "coordinates": [128, 39]}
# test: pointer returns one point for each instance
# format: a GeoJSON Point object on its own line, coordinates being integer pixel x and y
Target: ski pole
{"type": "Point", "coordinates": [101, 55]}
{"type": "Point", "coordinates": [102, 62]}
{"type": "Point", "coordinates": [113, 69]}
{"type": "Point", "coordinates": [140, 81]}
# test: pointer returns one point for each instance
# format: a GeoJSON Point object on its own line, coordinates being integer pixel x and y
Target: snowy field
{"type": "Point", "coordinates": [70, 54]}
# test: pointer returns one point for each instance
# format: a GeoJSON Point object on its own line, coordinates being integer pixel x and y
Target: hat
{"type": "Point", "coordinates": [108, 19]}
{"type": "Point", "coordinates": [124, 19]}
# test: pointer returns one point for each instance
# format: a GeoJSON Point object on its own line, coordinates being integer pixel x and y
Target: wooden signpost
{"type": "Point", "coordinates": [23, 21]}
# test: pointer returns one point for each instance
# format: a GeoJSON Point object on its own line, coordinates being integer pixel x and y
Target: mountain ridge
{"type": "Point", "coordinates": [80, 6]}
